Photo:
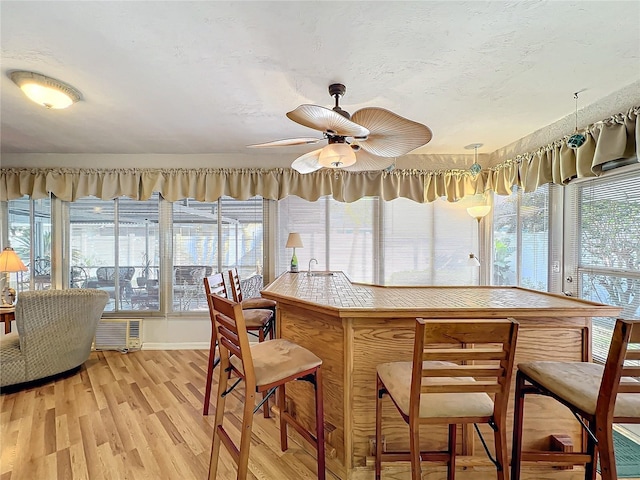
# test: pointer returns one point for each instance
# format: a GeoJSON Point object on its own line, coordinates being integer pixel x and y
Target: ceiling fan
{"type": "Point", "coordinates": [366, 140]}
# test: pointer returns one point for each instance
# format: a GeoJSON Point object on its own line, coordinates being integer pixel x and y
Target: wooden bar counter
{"type": "Point", "coordinates": [354, 327]}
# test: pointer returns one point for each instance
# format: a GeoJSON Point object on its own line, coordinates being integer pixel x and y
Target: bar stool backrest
{"type": "Point", "coordinates": [236, 288]}
{"type": "Point", "coordinates": [214, 285]}
{"type": "Point", "coordinates": [490, 343]}
{"type": "Point", "coordinates": [232, 337]}
{"type": "Point", "coordinates": [625, 333]}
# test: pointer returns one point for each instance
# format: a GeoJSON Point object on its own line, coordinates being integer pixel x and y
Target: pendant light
{"type": "Point", "coordinates": [475, 168]}
{"type": "Point", "coordinates": [576, 140]}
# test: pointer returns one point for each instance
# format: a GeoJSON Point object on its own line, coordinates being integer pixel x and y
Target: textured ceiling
{"type": "Point", "coordinates": [213, 77]}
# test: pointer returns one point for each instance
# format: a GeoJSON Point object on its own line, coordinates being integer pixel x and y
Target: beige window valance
{"type": "Point", "coordinates": [614, 138]}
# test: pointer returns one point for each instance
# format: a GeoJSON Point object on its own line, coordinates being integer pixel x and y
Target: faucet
{"type": "Point", "coordinates": [312, 260]}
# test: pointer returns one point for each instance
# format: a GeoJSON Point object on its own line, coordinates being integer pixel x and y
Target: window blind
{"type": "Point", "coordinates": [608, 249]}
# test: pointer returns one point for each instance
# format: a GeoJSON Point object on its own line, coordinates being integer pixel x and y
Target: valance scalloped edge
{"type": "Point", "coordinates": [209, 184]}
{"type": "Point", "coordinates": [610, 139]}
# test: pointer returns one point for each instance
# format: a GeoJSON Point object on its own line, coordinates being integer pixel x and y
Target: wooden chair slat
{"type": "Point", "coordinates": [232, 347]}
{"type": "Point", "coordinates": [631, 372]}
{"type": "Point", "coordinates": [633, 355]}
{"type": "Point", "coordinates": [634, 337]}
{"type": "Point", "coordinates": [466, 354]}
{"type": "Point", "coordinates": [463, 371]}
{"type": "Point", "coordinates": [470, 387]}
{"type": "Point", "coordinates": [465, 331]}
{"type": "Point", "coordinates": [629, 387]}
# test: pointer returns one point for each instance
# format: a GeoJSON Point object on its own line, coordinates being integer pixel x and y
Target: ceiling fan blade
{"type": "Point", "coordinates": [326, 120]}
{"type": "Point", "coordinates": [365, 162]}
{"type": "Point", "coordinates": [286, 142]}
{"type": "Point", "coordinates": [391, 135]}
{"type": "Point", "coordinates": [308, 162]}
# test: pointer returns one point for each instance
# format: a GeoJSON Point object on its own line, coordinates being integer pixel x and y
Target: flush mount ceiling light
{"type": "Point", "coordinates": [46, 91]}
{"type": "Point", "coordinates": [475, 168]}
{"type": "Point", "coordinates": [576, 140]}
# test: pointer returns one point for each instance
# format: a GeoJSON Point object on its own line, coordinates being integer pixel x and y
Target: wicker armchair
{"type": "Point", "coordinates": [55, 332]}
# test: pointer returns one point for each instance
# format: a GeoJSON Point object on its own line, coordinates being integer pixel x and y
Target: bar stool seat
{"type": "Point", "coordinates": [257, 302]}
{"type": "Point", "coordinates": [275, 360]}
{"type": "Point", "coordinates": [396, 376]}
{"type": "Point", "coordinates": [578, 383]}
{"type": "Point", "coordinates": [258, 318]}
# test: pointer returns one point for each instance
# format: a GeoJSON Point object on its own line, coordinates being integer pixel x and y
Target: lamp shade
{"type": "Point", "coordinates": [337, 155]}
{"type": "Point", "coordinates": [479, 211]}
{"type": "Point", "coordinates": [10, 261]}
{"type": "Point", "coordinates": [46, 91]}
{"type": "Point", "coordinates": [294, 241]}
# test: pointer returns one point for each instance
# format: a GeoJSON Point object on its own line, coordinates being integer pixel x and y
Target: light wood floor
{"type": "Point", "coordinates": [132, 416]}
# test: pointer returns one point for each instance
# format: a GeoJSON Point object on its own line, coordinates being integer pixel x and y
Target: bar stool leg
{"type": "Point", "coordinates": [207, 390]}
{"type": "Point", "coordinates": [605, 451]}
{"type": "Point", "coordinates": [217, 425]}
{"type": "Point", "coordinates": [502, 455]}
{"type": "Point", "coordinates": [518, 411]}
{"type": "Point", "coordinates": [320, 424]}
{"type": "Point", "coordinates": [592, 450]}
{"type": "Point", "coordinates": [414, 449]}
{"type": "Point", "coordinates": [451, 464]}
{"type": "Point", "coordinates": [265, 394]}
{"type": "Point", "coordinates": [283, 423]}
{"type": "Point", "coordinates": [379, 387]}
{"type": "Point", "coordinates": [245, 433]}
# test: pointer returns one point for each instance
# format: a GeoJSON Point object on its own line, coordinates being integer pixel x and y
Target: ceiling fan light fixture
{"type": "Point", "coordinates": [337, 155]}
{"type": "Point", "coordinates": [46, 91]}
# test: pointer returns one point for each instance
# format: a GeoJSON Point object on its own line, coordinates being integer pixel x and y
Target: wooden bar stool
{"type": "Point", "coordinates": [263, 367]}
{"type": "Point", "coordinates": [258, 322]}
{"type": "Point", "coordinates": [250, 303]}
{"type": "Point", "coordinates": [597, 395]}
{"type": "Point", "coordinates": [432, 389]}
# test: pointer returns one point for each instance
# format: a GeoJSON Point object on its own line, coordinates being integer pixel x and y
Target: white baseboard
{"type": "Point", "coordinates": [176, 346]}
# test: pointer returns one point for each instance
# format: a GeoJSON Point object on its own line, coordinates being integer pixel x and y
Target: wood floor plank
{"type": "Point", "coordinates": [135, 416]}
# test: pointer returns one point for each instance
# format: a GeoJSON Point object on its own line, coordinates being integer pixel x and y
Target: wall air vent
{"type": "Point", "coordinates": [121, 334]}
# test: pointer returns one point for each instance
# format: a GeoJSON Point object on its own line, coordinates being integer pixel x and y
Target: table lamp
{"type": "Point", "coordinates": [10, 262]}
{"type": "Point", "coordinates": [294, 241]}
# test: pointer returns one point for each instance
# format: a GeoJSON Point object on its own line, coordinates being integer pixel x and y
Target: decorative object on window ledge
{"type": "Point", "coordinates": [576, 140]}
{"type": "Point", "coordinates": [294, 241]}
{"type": "Point", "coordinates": [46, 91]}
{"type": "Point", "coordinates": [365, 141]}
{"type": "Point", "coordinates": [473, 261]}
{"type": "Point", "coordinates": [475, 168]}
{"type": "Point", "coordinates": [10, 262]}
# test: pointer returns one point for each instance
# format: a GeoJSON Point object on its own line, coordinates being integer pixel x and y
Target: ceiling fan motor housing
{"type": "Point", "coordinates": [337, 90]}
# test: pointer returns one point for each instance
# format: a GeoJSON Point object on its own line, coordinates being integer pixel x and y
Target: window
{"type": "Point", "coordinates": [608, 250]}
{"type": "Point", "coordinates": [115, 246]}
{"type": "Point", "coordinates": [30, 236]}
{"type": "Point", "coordinates": [521, 239]}
{"type": "Point", "coordinates": [213, 237]}
{"type": "Point", "coordinates": [400, 242]}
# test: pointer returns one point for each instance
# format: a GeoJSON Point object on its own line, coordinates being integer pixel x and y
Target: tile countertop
{"type": "Point", "coordinates": [338, 292]}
